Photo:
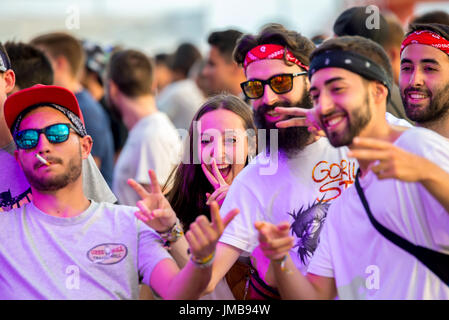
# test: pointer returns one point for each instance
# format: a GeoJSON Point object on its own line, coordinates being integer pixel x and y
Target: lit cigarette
{"type": "Point", "coordinates": [42, 160]}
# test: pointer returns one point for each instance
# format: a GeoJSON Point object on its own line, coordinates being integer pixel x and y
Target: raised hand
{"type": "Point", "coordinates": [216, 180]}
{"type": "Point", "coordinates": [394, 162]}
{"type": "Point", "coordinates": [155, 210]}
{"type": "Point", "coordinates": [275, 242]}
{"type": "Point", "coordinates": [203, 235]}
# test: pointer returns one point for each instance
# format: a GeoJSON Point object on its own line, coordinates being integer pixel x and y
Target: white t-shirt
{"type": "Point", "coordinates": [180, 100]}
{"type": "Point", "coordinates": [287, 190]}
{"type": "Point", "coordinates": [153, 143]}
{"type": "Point", "coordinates": [364, 264]}
{"type": "Point", "coordinates": [102, 253]}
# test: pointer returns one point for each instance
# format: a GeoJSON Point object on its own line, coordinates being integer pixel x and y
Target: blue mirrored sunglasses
{"type": "Point", "coordinates": [55, 133]}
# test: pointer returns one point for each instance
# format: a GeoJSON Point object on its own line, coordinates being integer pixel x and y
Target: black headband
{"type": "Point", "coordinates": [74, 119]}
{"type": "Point", "coordinates": [353, 62]}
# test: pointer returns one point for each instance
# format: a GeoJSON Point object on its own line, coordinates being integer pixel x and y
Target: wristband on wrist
{"type": "Point", "coordinates": [204, 262]}
{"type": "Point", "coordinates": [281, 262]}
{"type": "Point", "coordinates": [173, 234]}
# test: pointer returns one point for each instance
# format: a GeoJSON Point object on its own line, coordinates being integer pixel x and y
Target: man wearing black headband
{"type": "Point", "coordinates": [63, 245]}
{"type": "Point", "coordinates": [350, 81]}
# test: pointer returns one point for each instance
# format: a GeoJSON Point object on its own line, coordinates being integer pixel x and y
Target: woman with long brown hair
{"type": "Point", "coordinates": [222, 140]}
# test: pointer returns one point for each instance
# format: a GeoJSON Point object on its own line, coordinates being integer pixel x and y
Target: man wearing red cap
{"type": "Point", "coordinates": [424, 77]}
{"type": "Point", "coordinates": [78, 248]}
{"type": "Point", "coordinates": [15, 190]}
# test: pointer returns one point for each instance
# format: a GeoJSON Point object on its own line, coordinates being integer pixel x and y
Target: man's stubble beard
{"type": "Point", "coordinates": [70, 175]}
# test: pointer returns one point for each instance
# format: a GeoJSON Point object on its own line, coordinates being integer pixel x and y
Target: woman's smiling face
{"type": "Point", "coordinates": [222, 137]}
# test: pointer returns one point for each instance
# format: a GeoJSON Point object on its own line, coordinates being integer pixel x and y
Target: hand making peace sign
{"type": "Point", "coordinates": [217, 181]}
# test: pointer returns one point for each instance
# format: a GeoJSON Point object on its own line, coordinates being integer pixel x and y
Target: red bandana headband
{"type": "Point", "coordinates": [428, 38]}
{"type": "Point", "coordinates": [270, 51]}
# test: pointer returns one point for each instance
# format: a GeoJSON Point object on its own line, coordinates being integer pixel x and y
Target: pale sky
{"type": "Point", "coordinates": [160, 25]}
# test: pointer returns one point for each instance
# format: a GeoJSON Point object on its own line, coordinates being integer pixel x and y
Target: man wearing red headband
{"type": "Point", "coordinates": [424, 77]}
{"type": "Point", "coordinates": [307, 172]}
{"type": "Point", "coordinates": [293, 179]}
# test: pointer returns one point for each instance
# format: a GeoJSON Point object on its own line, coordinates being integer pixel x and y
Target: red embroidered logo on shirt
{"type": "Point", "coordinates": [107, 253]}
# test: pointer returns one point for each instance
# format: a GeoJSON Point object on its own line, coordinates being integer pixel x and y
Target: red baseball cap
{"type": "Point", "coordinates": [37, 94]}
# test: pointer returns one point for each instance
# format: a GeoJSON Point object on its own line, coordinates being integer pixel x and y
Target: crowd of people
{"type": "Point", "coordinates": [275, 168]}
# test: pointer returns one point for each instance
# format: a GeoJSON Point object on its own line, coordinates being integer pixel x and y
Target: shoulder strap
{"type": "Point", "coordinates": [436, 261]}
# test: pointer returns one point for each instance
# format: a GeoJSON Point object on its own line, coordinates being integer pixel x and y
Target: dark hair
{"type": "Point", "coordinates": [436, 16]}
{"type": "Point", "coordinates": [184, 58]}
{"type": "Point", "coordinates": [63, 44]}
{"type": "Point", "coordinates": [132, 72]}
{"type": "Point", "coordinates": [188, 183]}
{"type": "Point", "coordinates": [30, 65]}
{"type": "Point", "coordinates": [360, 45]}
{"type": "Point", "coordinates": [353, 22]}
{"type": "Point", "coordinates": [225, 42]}
{"type": "Point", "coordinates": [274, 33]}
{"type": "Point", "coordinates": [163, 59]}
{"type": "Point", "coordinates": [441, 29]}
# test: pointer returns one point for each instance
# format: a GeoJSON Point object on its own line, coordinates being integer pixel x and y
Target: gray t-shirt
{"type": "Point", "coordinates": [15, 190]}
{"type": "Point", "coordinates": [100, 254]}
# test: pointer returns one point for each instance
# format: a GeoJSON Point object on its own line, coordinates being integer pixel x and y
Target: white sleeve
{"type": "Point", "coordinates": [241, 232]}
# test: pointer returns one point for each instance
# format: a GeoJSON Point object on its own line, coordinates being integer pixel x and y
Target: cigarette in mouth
{"type": "Point", "coordinates": [42, 160]}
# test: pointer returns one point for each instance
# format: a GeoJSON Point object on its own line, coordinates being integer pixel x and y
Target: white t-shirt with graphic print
{"type": "Point", "coordinates": [298, 190]}
{"type": "Point", "coordinates": [364, 264]}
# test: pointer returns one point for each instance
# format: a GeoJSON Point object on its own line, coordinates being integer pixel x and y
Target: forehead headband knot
{"type": "Point", "coordinates": [428, 38]}
{"type": "Point", "coordinates": [353, 62]}
{"type": "Point", "coordinates": [271, 51]}
{"type": "Point", "coordinates": [74, 119]}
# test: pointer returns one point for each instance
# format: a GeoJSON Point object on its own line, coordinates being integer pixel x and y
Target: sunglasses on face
{"type": "Point", "coordinates": [55, 133]}
{"type": "Point", "coordinates": [280, 83]}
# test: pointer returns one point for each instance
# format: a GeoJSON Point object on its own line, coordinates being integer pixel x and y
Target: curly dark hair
{"type": "Point", "coordinates": [274, 33]}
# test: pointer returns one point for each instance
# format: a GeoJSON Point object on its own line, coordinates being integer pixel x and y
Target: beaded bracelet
{"type": "Point", "coordinates": [173, 234]}
{"type": "Point", "coordinates": [204, 262]}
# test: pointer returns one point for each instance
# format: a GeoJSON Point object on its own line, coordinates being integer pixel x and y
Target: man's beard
{"type": "Point", "coordinates": [290, 140]}
{"type": "Point", "coordinates": [437, 109]}
{"type": "Point", "coordinates": [45, 184]}
{"type": "Point", "coordinates": [357, 121]}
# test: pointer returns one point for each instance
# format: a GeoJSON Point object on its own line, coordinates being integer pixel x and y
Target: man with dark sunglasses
{"type": "Point", "coordinates": [26, 66]}
{"type": "Point", "coordinates": [78, 248]}
{"type": "Point", "coordinates": [308, 172]}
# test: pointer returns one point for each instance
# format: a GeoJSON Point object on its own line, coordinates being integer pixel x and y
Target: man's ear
{"type": "Point", "coordinates": [10, 81]}
{"type": "Point", "coordinates": [380, 92]}
{"type": "Point", "coordinates": [16, 156]}
{"type": "Point", "coordinates": [112, 89]}
{"type": "Point", "coordinates": [86, 146]}
{"type": "Point", "coordinates": [307, 82]}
